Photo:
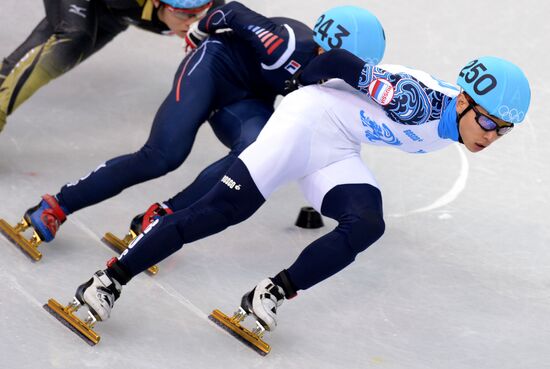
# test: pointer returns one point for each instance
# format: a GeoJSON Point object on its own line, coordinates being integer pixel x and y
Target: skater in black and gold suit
{"type": "Point", "coordinates": [75, 29]}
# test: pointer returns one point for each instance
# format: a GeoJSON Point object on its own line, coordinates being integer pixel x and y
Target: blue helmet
{"type": "Point", "coordinates": [499, 86]}
{"type": "Point", "coordinates": [352, 28]}
{"type": "Point", "coordinates": [187, 4]}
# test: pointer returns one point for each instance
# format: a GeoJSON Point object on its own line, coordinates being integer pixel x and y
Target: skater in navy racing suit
{"type": "Point", "coordinates": [231, 79]}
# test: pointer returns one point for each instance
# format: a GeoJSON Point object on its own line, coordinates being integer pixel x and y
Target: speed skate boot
{"type": "Point", "coordinates": [262, 303]}
{"type": "Point", "coordinates": [44, 219]}
{"type": "Point", "coordinates": [138, 224]}
{"type": "Point", "coordinates": [98, 295]}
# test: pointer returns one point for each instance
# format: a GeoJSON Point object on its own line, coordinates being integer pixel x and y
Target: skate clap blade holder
{"type": "Point", "coordinates": [15, 236]}
{"type": "Point", "coordinates": [232, 325]}
{"type": "Point", "coordinates": [120, 245]}
{"type": "Point", "coordinates": [66, 315]}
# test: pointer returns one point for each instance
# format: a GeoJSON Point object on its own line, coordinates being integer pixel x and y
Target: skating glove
{"type": "Point", "coordinates": [293, 83]}
{"type": "Point", "coordinates": [194, 37]}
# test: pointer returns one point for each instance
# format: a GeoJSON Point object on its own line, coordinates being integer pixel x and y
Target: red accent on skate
{"type": "Point", "coordinates": [50, 221]}
{"type": "Point", "coordinates": [155, 211]}
{"type": "Point", "coordinates": [111, 261]}
{"type": "Point", "coordinates": [56, 210]}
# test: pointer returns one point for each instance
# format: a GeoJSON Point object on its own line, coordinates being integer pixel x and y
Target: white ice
{"type": "Point", "coordinates": [460, 280]}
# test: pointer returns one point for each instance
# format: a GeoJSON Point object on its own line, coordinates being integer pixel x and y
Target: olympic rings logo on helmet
{"type": "Point", "coordinates": [497, 85]}
{"type": "Point", "coordinates": [351, 28]}
{"type": "Point", "coordinates": [510, 115]}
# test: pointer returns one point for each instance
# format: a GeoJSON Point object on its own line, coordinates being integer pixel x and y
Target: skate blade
{"type": "Point", "coordinates": [68, 319]}
{"type": "Point", "coordinates": [238, 331]}
{"type": "Point", "coordinates": [119, 245]}
{"type": "Point", "coordinates": [13, 234]}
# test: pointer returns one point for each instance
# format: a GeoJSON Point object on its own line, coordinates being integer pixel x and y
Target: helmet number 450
{"type": "Point", "coordinates": [322, 27]}
{"type": "Point", "coordinates": [482, 83]}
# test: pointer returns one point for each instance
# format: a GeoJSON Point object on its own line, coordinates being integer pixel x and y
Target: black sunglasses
{"type": "Point", "coordinates": [487, 123]}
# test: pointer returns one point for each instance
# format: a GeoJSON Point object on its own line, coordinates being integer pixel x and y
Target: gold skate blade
{"type": "Point", "coordinates": [115, 243]}
{"type": "Point", "coordinates": [13, 234]}
{"type": "Point", "coordinates": [241, 333]}
{"type": "Point", "coordinates": [119, 245]}
{"type": "Point", "coordinates": [71, 321]}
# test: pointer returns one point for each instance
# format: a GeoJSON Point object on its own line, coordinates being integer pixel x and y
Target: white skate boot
{"type": "Point", "coordinates": [99, 294]}
{"type": "Point", "coordinates": [263, 302]}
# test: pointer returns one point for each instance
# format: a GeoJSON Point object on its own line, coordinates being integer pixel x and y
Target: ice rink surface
{"type": "Point", "coordinates": [460, 280]}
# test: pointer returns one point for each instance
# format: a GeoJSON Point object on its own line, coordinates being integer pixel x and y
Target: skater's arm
{"type": "Point", "coordinates": [336, 63]}
{"type": "Point", "coordinates": [235, 16]}
{"type": "Point", "coordinates": [270, 40]}
{"type": "Point", "coordinates": [400, 91]}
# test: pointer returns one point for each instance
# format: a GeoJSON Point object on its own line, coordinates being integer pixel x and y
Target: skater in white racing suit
{"type": "Point", "coordinates": [314, 137]}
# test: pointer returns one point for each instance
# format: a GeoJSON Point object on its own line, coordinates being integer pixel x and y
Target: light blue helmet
{"type": "Point", "coordinates": [499, 86]}
{"type": "Point", "coordinates": [352, 28]}
{"type": "Point", "coordinates": [187, 4]}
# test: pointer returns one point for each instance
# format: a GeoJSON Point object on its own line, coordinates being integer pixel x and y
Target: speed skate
{"type": "Point", "coordinates": [66, 315]}
{"type": "Point", "coordinates": [15, 234]}
{"type": "Point", "coordinates": [232, 325]}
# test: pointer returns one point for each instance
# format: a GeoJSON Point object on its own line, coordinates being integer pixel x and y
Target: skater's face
{"type": "Point", "coordinates": [475, 126]}
{"type": "Point", "coordinates": [178, 22]}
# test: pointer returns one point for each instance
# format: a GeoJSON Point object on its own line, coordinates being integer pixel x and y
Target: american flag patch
{"type": "Point", "coordinates": [293, 66]}
{"type": "Point", "coordinates": [381, 91]}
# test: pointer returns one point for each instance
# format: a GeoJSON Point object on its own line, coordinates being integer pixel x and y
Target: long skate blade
{"type": "Point", "coordinates": [30, 247]}
{"type": "Point", "coordinates": [239, 332]}
{"type": "Point", "coordinates": [69, 320]}
{"type": "Point", "coordinates": [119, 245]}
{"type": "Point", "coordinates": [115, 243]}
